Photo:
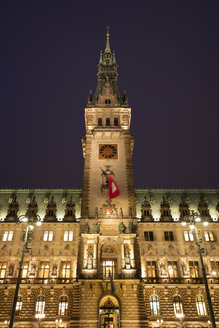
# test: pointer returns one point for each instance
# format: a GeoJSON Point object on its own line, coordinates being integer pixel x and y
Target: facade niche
{"type": "Point", "coordinates": [165, 210]}
{"type": "Point", "coordinates": [13, 209]}
{"type": "Point", "coordinates": [184, 208]}
{"type": "Point", "coordinates": [146, 213]}
{"type": "Point", "coordinates": [51, 211]}
{"type": "Point", "coordinates": [203, 208]}
{"type": "Point", "coordinates": [32, 208]}
{"type": "Point", "coordinates": [69, 211]}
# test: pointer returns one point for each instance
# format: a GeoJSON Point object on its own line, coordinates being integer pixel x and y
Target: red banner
{"type": "Point", "coordinates": [113, 189]}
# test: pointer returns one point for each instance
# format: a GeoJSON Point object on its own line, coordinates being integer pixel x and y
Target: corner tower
{"type": "Point", "coordinates": [107, 146]}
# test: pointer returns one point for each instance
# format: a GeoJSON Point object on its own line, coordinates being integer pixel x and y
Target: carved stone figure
{"type": "Point", "coordinates": [11, 270]}
{"type": "Point", "coordinates": [127, 257]}
{"type": "Point", "coordinates": [54, 270]}
{"type": "Point", "coordinates": [184, 269]}
{"type": "Point", "coordinates": [96, 227]}
{"type": "Point", "coordinates": [86, 228]}
{"type": "Point", "coordinates": [163, 270]}
{"type": "Point", "coordinates": [131, 227]}
{"type": "Point", "coordinates": [121, 212]}
{"type": "Point", "coordinates": [33, 269]}
{"type": "Point", "coordinates": [90, 258]}
{"type": "Point", "coordinates": [122, 228]}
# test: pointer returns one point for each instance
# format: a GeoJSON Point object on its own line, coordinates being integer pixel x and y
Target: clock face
{"type": "Point", "coordinates": [108, 152]}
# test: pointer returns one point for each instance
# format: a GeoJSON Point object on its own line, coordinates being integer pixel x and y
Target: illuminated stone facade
{"type": "Point", "coordinates": [128, 262]}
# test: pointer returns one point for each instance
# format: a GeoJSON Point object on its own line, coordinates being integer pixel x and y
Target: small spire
{"type": "Point", "coordinates": [107, 40]}
{"type": "Point", "coordinates": [101, 57]}
{"type": "Point", "coordinates": [114, 56]}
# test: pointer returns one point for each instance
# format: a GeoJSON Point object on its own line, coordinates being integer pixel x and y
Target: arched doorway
{"type": "Point", "coordinates": [109, 314]}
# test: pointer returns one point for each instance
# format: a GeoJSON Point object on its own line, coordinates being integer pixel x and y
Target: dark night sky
{"type": "Point", "coordinates": [167, 52]}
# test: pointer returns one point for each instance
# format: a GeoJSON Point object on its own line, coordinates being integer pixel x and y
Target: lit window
{"type": "Point", "coordinates": [68, 235]}
{"type": "Point", "coordinates": [48, 236]}
{"type": "Point", "coordinates": [215, 268]}
{"type": "Point", "coordinates": [178, 308]}
{"type": "Point", "coordinates": [172, 269]}
{"type": "Point", "coordinates": [63, 305]}
{"type": "Point", "coordinates": [8, 236]}
{"type": "Point", "coordinates": [18, 304]}
{"type": "Point", "coordinates": [40, 305]}
{"type": "Point", "coordinates": [200, 304]}
{"type": "Point", "coordinates": [148, 236]}
{"type": "Point", "coordinates": [44, 270]}
{"type": "Point", "coordinates": [154, 305]}
{"type": "Point", "coordinates": [66, 269]}
{"type": "Point", "coordinates": [168, 236]}
{"type": "Point", "coordinates": [108, 268]}
{"type": "Point", "coordinates": [25, 270]}
{"type": "Point", "coordinates": [209, 236]}
{"type": "Point", "coordinates": [194, 269]}
{"type": "Point", "coordinates": [188, 235]}
{"type": "Point", "coordinates": [2, 269]}
{"type": "Point", "coordinates": [151, 269]}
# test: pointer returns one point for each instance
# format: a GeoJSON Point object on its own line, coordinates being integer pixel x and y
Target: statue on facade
{"type": "Point", "coordinates": [184, 269]}
{"type": "Point", "coordinates": [96, 227]}
{"type": "Point", "coordinates": [54, 270]}
{"type": "Point", "coordinates": [86, 228]}
{"type": "Point", "coordinates": [122, 228]}
{"type": "Point", "coordinates": [90, 258]}
{"type": "Point", "coordinates": [11, 270]}
{"type": "Point", "coordinates": [127, 257]}
{"type": "Point", "coordinates": [33, 269]}
{"type": "Point", "coordinates": [163, 270]}
{"type": "Point", "coordinates": [131, 227]}
{"type": "Point", "coordinates": [121, 212]}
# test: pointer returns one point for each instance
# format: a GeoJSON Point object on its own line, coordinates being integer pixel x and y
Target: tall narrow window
{"type": "Point", "coordinates": [178, 307]}
{"type": "Point", "coordinates": [172, 269]}
{"type": "Point", "coordinates": [188, 236]}
{"type": "Point", "coordinates": [151, 269]}
{"type": "Point", "coordinates": [209, 236]}
{"type": "Point", "coordinates": [200, 304]}
{"type": "Point", "coordinates": [99, 121]}
{"type": "Point", "coordinates": [63, 305]}
{"type": "Point", "coordinates": [154, 305]}
{"type": "Point", "coordinates": [116, 121]}
{"type": "Point", "coordinates": [18, 305]}
{"type": "Point", "coordinates": [194, 269]}
{"type": "Point", "coordinates": [2, 269]}
{"type": "Point", "coordinates": [40, 305]}
{"type": "Point", "coordinates": [108, 268]}
{"type": "Point", "coordinates": [8, 236]}
{"type": "Point", "coordinates": [44, 270]}
{"type": "Point", "coordinates": [107, 121]}
{"type": "Point", "coordinates": [25, 269]}
{"type": "Point", "coordinates": [66, 269]}
{"type": "Point", "coordinates": [168, 236]}
{"type": "Point", "coordinates": [148, 236]}
{"type": "Point", "coordinates": [48, 236]}
{"type": "Point", "coordinates": [68, 236]}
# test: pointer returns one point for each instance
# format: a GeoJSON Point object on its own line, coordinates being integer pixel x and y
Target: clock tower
{"type": "Point", "coordinates": [107, 146]}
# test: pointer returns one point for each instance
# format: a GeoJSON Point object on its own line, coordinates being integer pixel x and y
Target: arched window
{"type": "Point", "coordinates": [63, 305]}
{"type": "Point", "coordinates": [200, 304]}
{"type": "Point", "coordinates": [99, 121]}
{"type": "Point", "coordinates": [40, 305]}
{"type": "Point", "coordinates": [116, 121]}
{"type": "Point", "coordinates": [178, 307]}
{"type": "Point", "coordinates": [107, 121]}
{"type": "Point", "coordinates": [18, 305]}
{"type": "Point", "coordinates": [154, 305]}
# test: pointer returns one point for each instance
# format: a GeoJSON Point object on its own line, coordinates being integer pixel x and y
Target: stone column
{"type": "Point", "coordinates": [132, 255]}
{"type": "Point", "coordinates": [85, 255]}
{"type": "Point", "coordinates": [95, 256]}
{"type": "Point", "coordinates": [123, 255]}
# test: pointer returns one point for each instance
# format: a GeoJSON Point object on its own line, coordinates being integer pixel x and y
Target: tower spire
{"type": "Point", "coordinates": [107, 40]}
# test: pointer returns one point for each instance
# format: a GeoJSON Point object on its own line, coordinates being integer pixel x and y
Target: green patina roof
{"type": "Point", "coordinates": [40, 195]}
{"type": "Point", "coordinates": [175, 198]}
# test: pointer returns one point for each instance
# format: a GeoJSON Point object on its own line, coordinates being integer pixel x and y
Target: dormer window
{"type": "Point", "coordinates": [165, 210]}
{"type": "Point", "coordinates": [107, 101]}
{"type": "Point", "coordinates": [146, 214]}
{"type": "Point", "coordinates": [107, 121]}
{"type": "Point", "coordinates": [203, 207]}
{"type": "Point", "coordinates": [116, 121]}
{"type": "Point", "coordinates": [184, 208]}
{"type": "Point", "coordinates": [99, 121]}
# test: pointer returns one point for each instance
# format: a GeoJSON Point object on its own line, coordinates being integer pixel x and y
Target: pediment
{"type": "Point", "coordinates": [150, 253]}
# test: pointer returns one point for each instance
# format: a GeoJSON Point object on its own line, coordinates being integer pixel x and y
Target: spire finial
{"type": "Point", "coordinates": [107, 31]}
{"type": "Point", "coordinates": [107, 40]}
